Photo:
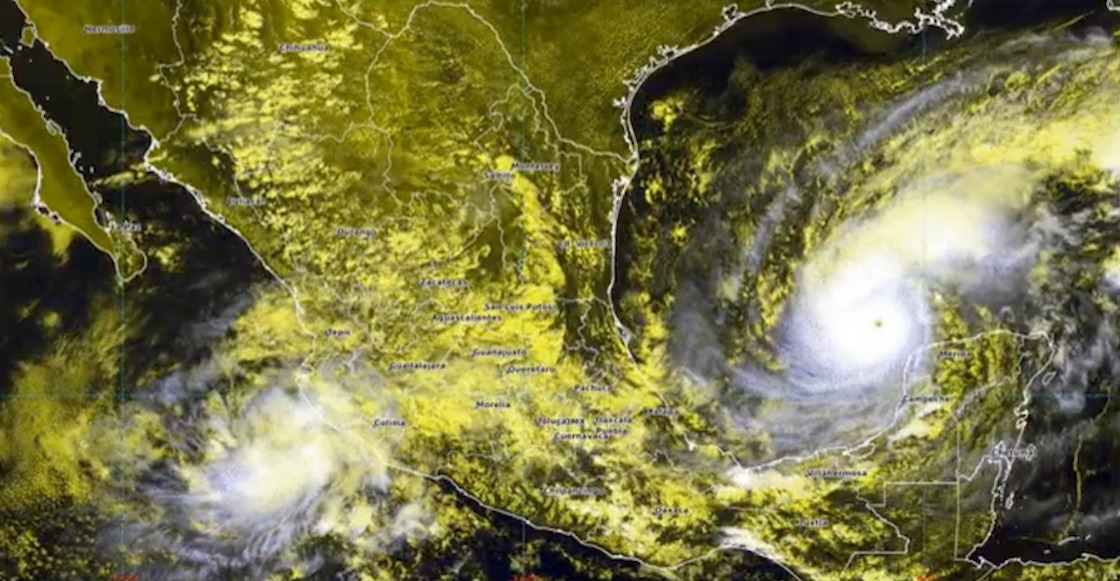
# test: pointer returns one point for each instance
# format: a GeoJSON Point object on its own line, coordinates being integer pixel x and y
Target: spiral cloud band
{"type": "Point", "coordinates": [953, 221]}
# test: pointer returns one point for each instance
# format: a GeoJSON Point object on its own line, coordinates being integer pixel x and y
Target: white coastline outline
{"type": "Point", "coordinates": [668, 54]}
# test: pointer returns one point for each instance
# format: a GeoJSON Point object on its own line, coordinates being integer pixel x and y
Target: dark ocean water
{"type": "Point", "coordinates": [789, 38]}
{"type": "Point", "coordinates": [214, 266]}
{"type": "Point", "coordinates": [162, 308]}
{"type": "Point", "coordinates": [216, 269]}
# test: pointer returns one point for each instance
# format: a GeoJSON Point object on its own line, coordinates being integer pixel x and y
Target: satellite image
{"type": "Point", "coordinates": [542, 290]}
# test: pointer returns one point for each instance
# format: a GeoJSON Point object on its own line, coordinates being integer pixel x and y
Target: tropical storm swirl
{"type": "Point", "coordinates": [905, 266]}
{"type": "Point", "coordinates": [402, 290]}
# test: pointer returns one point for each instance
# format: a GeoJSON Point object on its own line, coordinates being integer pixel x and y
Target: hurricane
{"type": "Point", "coordinates": [908, 250]}
{"type": "Point", "coordinates": [617, 290]}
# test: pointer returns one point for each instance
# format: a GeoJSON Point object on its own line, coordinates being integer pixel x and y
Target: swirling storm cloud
{"type": "Point", "coordinates": [850, 244]}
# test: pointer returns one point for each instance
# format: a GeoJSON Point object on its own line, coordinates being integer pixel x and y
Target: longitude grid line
{"type": "Point", "coordinates": [925, 268]}
{"type": "Point", "coordinates": [521, 156]}
{"type": "Point", "coordinates": [524, 231]}
{"type": "Point", "coordinates": [120, 392]}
